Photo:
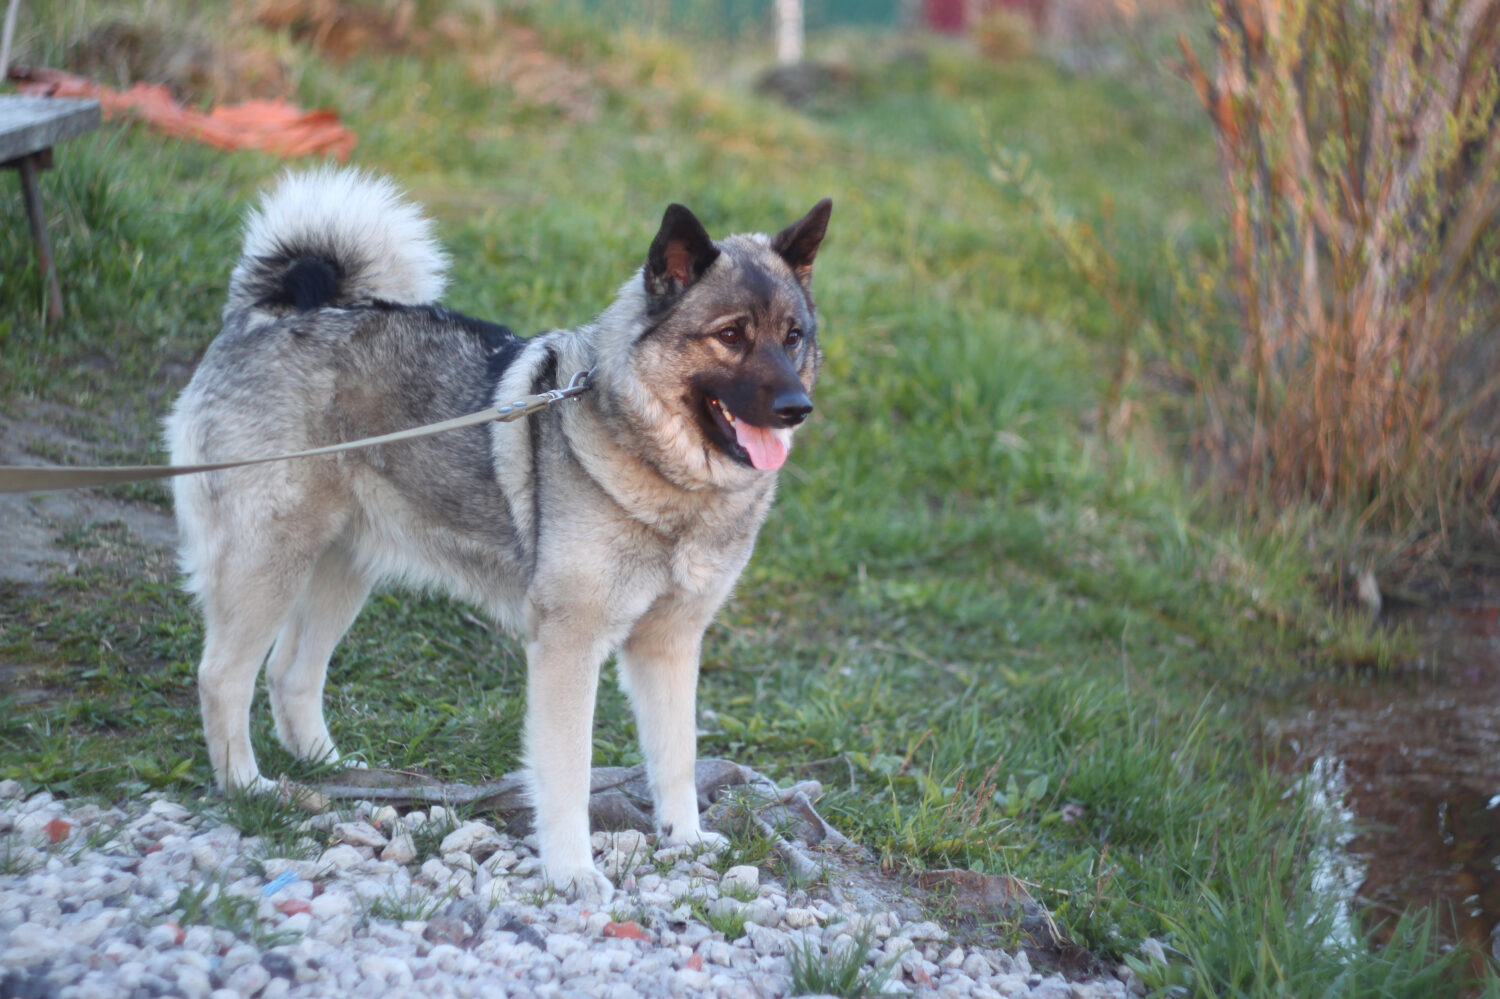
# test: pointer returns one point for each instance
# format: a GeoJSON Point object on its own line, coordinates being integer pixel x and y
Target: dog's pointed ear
{"type": "Point", "coordinates": [679, 254]}
{"type": "Point", "coordinates": [798, 243]}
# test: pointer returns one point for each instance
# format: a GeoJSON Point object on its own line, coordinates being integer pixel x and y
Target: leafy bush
{"type": "Point", "coordinates": [1363, 172]}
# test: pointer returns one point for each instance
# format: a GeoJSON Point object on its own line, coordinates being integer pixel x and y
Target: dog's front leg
{"type": "Point", "coordinates": [562, 678]}
{"type": "Point", "coordinates": [659, 670]}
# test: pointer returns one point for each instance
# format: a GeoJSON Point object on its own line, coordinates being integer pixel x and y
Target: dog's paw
{"type": "Point", "coordinates": [586, 884]}
{"type": "Point", "coordinates": [701, 840]}
{"type": "Point", "coordinates": [250, 786]}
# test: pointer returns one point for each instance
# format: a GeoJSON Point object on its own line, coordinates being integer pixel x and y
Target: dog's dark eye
{"type": "Point", "coordinates": [793, 337]}
{"type": "Point", "coordinates": [729, 335]}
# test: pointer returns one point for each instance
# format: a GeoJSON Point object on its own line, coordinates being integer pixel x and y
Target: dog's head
{"type": "Point", "coordinates": [727, 341]}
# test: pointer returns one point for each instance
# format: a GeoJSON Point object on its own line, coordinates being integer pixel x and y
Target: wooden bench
{"type": "Point", "coordinates": [29, 128]}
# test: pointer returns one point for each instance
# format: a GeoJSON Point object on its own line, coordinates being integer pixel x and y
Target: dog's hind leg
{"type": "Point", "coordinates": [659, 671]}
{"type": "Point", "coordinates": [298, 666]}
{"type": "Point", "coordinates": [244, 606]}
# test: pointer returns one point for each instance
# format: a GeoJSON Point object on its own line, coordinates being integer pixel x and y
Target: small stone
{"type": "Point", "coordinates": [298, 923]}
{"type": "Point", "coordinates": [34, 823]}
{"type": "Point", "coordinates": [743, 878]}
{"type": "Point", "coordinates": [501, 861]}
{"type": "Point", "coordinates": [765, 911]}
{"type": "Point", "coordinates": [305, 870]}
{"type": "Point", "coordinates": [401, 849]}
{"type": "Point", "coordinates": [628, 930]}
{"type": "Point", "coordinates": [924, 931]}
{"type": "Point", "coordinates": [359, 834]}
{"type": "Point", "coordinates": [692, 981]}
{"type": "Point", "coordinates": [560, 945]}
{"type": "Point", "coordinates": [447, 930]}
{"type": "Point", "coordinates": [391, 970]}
{"type": "Point", "coordinates": [725, 908]}
{"type": "Point", "coordinates": [955, 958]}
{"type": "Point", "coordinates": [474, 838]}
{"type": "Point", "coordinates": [615, 864]}
{"type": "Point", "coordinates": [766, 941]}
{"type": "Point", "coordinates": [342, 857]}
{"type": "Point", "coordinates": [163, 936]}
{"type": "Point", "coordinates": [1054, 987]}
{"type": "Point", "coordinates": [799, 919]}
{"type": "Point", "coordinates": [633, 843]}
{"type": "Point", "coordinates": [172, 812]}
{"type": "Point", "coordinates": [237, 957]}
{"type": "Point", "coordinates": [193, 982]}
{"type": "Point", "coordinates": [279, 965]}
{"type": "Point", "coordinates": [896, 946]}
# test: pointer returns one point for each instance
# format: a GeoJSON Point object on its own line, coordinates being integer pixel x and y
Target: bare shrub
{"type": "Point", "coordinates": [1359, 148]}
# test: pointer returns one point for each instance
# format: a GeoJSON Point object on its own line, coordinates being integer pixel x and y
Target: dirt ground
{"type": "Point", "coordinates": [34, 527]}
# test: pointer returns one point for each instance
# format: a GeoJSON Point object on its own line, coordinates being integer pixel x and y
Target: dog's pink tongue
{"type": "Point", "coordinates": [767, 451]}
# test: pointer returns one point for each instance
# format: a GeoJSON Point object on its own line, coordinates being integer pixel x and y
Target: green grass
{"type": "Point", "coordinates": [208, 903]}
{"type": "Point", "coordinates": [840, 970]}
{"type": "Point", "coordinates": [721, 917]}
{"type": "Point", "coordinates": [999, 629]}
{"type": "Point", "coordinates": [413, 903]}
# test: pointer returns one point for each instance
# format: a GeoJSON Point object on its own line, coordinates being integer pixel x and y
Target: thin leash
{"type": "Point", "coordinates": [34, 478]}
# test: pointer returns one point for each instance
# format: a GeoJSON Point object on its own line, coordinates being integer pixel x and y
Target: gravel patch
{"type": "Point", "coordinates": [157, 899]}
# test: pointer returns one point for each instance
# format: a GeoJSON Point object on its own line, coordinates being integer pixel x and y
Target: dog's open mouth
{"type": "Point", "coordinates": [758, 447]}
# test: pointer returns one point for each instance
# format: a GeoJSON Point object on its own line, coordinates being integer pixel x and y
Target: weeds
{"type": "Point", "coordinates": [750, 844]}
{"type": "Point", "coordinates": [208, 903]}
{"type": "Point", "coordinates": [281, 827]}
{"type": "Point", "coordinates": [412, 903]}
{"type": "Point", "coordinates": [427, 838]}
{"type": "Point", "coordinates": [840, 970]}
{"type": "Point", "coordinates": [539, 897]}
{"type": "Point", "coordinates": [799, 880]}
{"type": "Point", "coordinates": [97, 838]}
{"type": "Point", "coordinates": [16, 861]}
{"type": "Point", "coordinates": [728, 919]}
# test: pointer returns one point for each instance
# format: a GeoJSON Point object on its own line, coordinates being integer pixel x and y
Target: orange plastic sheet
{"type": "Point", "coordinates": [271, 125]}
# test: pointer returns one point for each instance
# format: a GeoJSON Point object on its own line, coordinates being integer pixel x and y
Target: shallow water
{"type": "Point", "coordinates": [1409, 765]}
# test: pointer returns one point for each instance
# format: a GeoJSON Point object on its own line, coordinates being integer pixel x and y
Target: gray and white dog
{"type": "Point", "coordinates": [617, 521]}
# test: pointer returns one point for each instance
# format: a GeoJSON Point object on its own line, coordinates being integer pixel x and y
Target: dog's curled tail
{"type": "Point", "coordinates": [332, 237]}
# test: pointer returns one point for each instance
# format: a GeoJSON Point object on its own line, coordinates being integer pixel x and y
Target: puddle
{"type": "Point", "coordinates": [1410, 766]}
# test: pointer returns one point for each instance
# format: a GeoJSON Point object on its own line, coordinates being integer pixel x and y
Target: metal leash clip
{"type": "Point", "coordinates": [535, 403]}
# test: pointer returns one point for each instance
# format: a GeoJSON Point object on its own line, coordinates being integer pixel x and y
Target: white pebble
{"type": "Point", "coordinates": [359, 834]}
{"type": "Point", "coordinates": [400, 850]}
{"type": "Point", "coordinates": [341, 858]}
{"type": "Point", "coordinates": [744, 877]}
{"type": "Point", "coordinates": [164, 809]}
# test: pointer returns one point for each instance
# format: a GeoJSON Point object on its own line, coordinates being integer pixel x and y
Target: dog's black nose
{"type": "Point", "coordinates": [791, 408]}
